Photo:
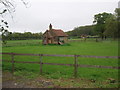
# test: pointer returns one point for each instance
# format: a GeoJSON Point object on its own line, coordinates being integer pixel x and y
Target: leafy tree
{"type": "Point", "coordinates": [111, 27]}
{"type": "Point", "coordinates": [113, 24]}
{"type": "Point", "coordinates": [117, 13]}
{"type": "Point", "coordinates": [100, 20]}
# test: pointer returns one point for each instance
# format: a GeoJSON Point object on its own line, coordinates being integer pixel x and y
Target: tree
{"type": "Point", "coordinates": [3, 30]}
{"type": "Point", "coordinates": [113, 24]}
{"type": "Point", "coordinates": [8, 6]}
{"type": "Point", "coordinates": [111, 27]}
{"type": "Point", "coordinates": [3, 27]}
{"type": "Point", "coordinates": [100, 20]}
{"type": "Point", "coordinates": [117, 14]}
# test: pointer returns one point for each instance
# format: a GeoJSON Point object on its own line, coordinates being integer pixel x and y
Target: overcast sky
{"type": "Point", "coordinates": [62, 14]}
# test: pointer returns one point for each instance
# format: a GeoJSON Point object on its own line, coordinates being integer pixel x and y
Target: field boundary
{"type": "Point", "coordinates": [75, 65]}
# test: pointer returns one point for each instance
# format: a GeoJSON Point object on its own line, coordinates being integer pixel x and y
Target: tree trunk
{"type": "Point", "coordinates": [102, 37]}
{"type": "Point", "coordinates": [105, 37]}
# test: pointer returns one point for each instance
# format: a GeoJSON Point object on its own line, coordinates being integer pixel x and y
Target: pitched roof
{"type": "Point", "coordinates": [57, 32]}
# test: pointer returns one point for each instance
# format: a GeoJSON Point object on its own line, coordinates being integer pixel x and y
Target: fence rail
{"type": "Point", "coordinates": [75, 65]}
{"type": "Point", "coordinates": [87, 56]}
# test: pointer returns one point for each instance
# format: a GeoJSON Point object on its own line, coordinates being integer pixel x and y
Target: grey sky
{"type": "Point", "coordinates": [63, 14]}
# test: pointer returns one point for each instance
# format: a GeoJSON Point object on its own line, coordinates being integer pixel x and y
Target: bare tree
{"type": "Point", "coordinates": [7, 6]}
{"type": "Point", "coordinates": [10, 5]}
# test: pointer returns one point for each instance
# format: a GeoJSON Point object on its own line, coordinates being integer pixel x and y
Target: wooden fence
{"type": "Point", "coordinates": [75, 65]}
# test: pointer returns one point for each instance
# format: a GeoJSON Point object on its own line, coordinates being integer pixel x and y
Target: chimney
{"type": "Point", "coordinates": [50, 27]}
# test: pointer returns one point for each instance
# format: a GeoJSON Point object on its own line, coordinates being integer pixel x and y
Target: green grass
{"type": "Point", "coordinates": [102, 48]}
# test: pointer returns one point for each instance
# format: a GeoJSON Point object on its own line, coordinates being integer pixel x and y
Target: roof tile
{"type": "Point", "coordinates": [57, 32]}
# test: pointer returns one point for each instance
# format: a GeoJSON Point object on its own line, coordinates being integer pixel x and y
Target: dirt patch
{"type": "Point", "coordinates": [12, 81]}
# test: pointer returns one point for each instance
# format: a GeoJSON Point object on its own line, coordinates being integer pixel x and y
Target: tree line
{"type": "Point", "coordinates": [104, 25]}
{"type": "Point", "coordinates": [82, 30]}
{"type": "Point", "coordinates": [23, 36]}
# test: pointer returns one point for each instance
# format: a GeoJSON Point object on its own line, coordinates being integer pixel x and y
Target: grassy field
{"type": "Point", "coordinates": [102, 48]}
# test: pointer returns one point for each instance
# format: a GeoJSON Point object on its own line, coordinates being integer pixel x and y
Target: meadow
{"type": "Point", "coordinates": [89, 47]}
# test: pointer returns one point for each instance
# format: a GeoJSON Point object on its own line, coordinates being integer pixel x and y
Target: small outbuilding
{"type": "Point", "coordinates": [54, 36]}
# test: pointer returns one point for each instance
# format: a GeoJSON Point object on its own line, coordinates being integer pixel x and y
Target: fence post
{"type": "Point", "coordinates": [40, 63]}
{"type": "Point", "coordinates": [75, 66]}
{"type": "Point", "coordinates": [12, 55]}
